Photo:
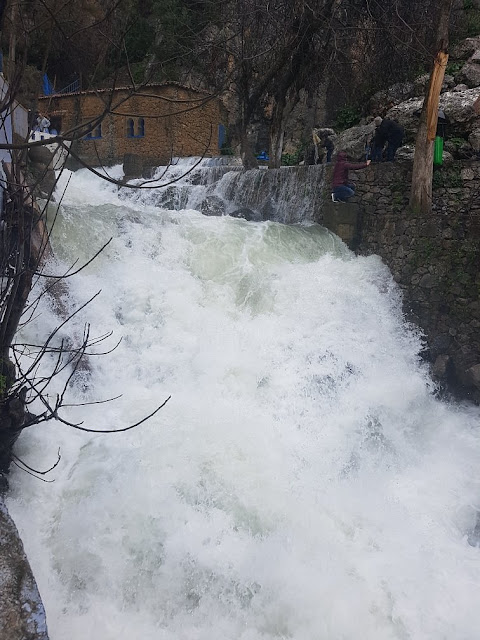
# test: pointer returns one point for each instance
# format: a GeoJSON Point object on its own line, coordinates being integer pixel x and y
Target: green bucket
{"type": "Point", "coordinates": [438, 151]}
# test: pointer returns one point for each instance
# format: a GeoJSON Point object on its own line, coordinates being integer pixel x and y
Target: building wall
{"type": "Point", "coordinates": [176, 122]}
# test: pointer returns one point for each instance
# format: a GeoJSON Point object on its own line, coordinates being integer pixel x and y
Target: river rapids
{"type": "Point", "coordinates": [304, 481]}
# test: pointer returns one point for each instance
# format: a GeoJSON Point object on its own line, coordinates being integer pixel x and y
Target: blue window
{"type": "Point", "coordinates": [95, 134]}
{"type": "Point", "coordinates": [137, 131]}
{"type": "Point", "coordinates": [222, 136]}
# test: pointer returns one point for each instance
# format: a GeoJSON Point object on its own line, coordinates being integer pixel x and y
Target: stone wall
{"type": "Point", "coordinates": [435, 260]}
{"type": "Point", "coordinates": [165, 120]}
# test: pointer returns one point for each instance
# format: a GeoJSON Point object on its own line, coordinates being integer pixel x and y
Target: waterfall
{"type": "Point", "coordinates": [288, 194]}
{"type": "Point", "coordinates": [303, 482]}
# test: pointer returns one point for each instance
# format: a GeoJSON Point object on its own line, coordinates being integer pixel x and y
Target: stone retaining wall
{"type": "Point", "coordinates": [435, 260]}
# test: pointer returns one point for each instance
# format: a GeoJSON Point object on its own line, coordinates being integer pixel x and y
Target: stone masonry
{"type": "Point", "coordinates": [153, 124]}
{"type": "Point", "coordinates": [435, 260]}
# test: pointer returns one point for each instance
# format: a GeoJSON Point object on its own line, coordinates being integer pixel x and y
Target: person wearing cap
{"type": "Point", "coordinates": [342, 188]}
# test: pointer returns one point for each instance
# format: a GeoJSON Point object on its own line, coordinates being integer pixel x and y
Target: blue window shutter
{"type": "Point", "coordinates": [221, 135]}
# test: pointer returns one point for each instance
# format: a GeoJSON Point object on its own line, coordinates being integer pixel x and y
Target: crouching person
{"type": "Point", "coordinates": [342, 189]}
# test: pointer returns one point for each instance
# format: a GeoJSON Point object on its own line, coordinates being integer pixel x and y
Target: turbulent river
{"type": "Point", "coordinates": [302, 483]}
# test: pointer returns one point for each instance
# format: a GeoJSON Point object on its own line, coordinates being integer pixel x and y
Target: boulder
{"type": "Point", "coordinates": [383, 100]}
{"type": "Point", "coordinates": [213, 206]}
{"type": "Point", "coordinates": [22, 615]}
{"type": "Point", "coordinates": [40, 155]}
{"type": "Point", "coordinates": [420, 85]}
{"type": "Point", "coordinates": [246, 214]}
{"type": "Point", "coordinates": [448, 83]}
{"type": "Point", "coordinates": [469, 74]}
{"type": "Point", "coordinates": [465, 49]}
{"type": "Point", "coordinates": [442, 366]}
{"type": "Point", "coordinates": [353, 141]}
{"type": "Point", "coordinates": [407, 114]}
{"type": "Point", "coordinates": [457, 105]}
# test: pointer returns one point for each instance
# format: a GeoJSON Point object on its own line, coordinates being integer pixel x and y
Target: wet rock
{"type": "Point", "coordinates": [213, 206]}
{"type": "Point", "coordinates": [22, 615]}
{"type": "Point", "coordinates": [473, 376]}
{"type": "Point", "coordinates": [441, 366]}
{"type": "Point", "coordinates": [246, 214]}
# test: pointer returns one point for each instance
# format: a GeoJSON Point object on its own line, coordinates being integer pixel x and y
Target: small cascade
{"type": "Point", "coordinates": [219, 186]}
{"type": "Point", "coordinates": [288, 194]}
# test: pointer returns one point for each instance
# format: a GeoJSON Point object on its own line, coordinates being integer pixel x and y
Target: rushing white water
{"type": "Point", "coordinates": [302, 483]}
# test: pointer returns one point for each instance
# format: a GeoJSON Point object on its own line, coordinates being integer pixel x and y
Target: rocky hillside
{"type": "Point", "coordinates": [459, 100]}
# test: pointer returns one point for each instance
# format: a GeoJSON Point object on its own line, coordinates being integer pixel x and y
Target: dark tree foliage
{"type": "Point", "coordinates": [376, 45]}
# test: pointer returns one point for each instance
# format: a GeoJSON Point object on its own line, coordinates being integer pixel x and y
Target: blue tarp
{"type": "Point", "coordinates": [48, 87]}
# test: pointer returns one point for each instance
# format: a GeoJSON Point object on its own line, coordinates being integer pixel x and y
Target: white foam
{"type": "Point", "coordinates": [301, 483]}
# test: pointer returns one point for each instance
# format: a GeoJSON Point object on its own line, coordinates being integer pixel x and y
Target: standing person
{"type": "Point", "coordinates": [43, 123]}
{"type": "Point", "coordinates": [342, 189]}
{"type": "Point", "coordinates": [386, 131]}
{"type": "Point", "coordinates": [379, 139]}
{"type": "Point", "coordinates": [395, 133]}
{"type": "Point", "coordinates": [327, 143]}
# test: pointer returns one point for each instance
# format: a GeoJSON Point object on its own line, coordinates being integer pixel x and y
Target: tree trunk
{"type": "Point", "coordinates": [421, 192]}
{"type": "Point", "coordinates": [276, 136]}
{"type": "Point", "coordinates": [422, 175]}
{"type": "Point", "coordinates": [249, 160]}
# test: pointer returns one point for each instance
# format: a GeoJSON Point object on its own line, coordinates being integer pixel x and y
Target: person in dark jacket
{"type": "Point", "coordinates": [394, 138]}
{"type": "Point", "coordinates": [386, 131]}
{"type": "Point", "coordinates": [342, 189]}
{"type": "Point", "coordinates": [378, 141]}
{"type": "Point", "coordinates": [328, 145]}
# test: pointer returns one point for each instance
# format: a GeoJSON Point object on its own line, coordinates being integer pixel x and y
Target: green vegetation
{"type": "Point", "coordinates": [347, 117]}
{"type": "Point", "coordinates": [457, 141]}
{"type": "Point", "coordinates": [472, 15]}
{"type": "Point", "coordinates": [291, 159]}
{"type": "Point", "coordinates": [453, 68]}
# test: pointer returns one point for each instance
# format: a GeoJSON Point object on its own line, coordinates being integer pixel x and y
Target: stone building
{"type": "Point", "coordinates": [146, 127]}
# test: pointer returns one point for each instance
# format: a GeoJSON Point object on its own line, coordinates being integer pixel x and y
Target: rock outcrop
{"type": "Point", "coordinates": [22, 615]}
